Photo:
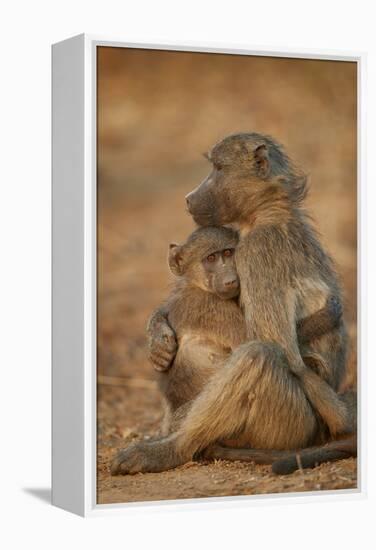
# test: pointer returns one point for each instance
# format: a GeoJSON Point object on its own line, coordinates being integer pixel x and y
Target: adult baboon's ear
{"type": "Point", "coordinates": [262, 161]}
{"type": "Point", "coordinates": [175, 259]}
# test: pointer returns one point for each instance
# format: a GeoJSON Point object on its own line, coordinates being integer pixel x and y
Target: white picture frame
{"type": "Point", "coordinates": [74, 277]}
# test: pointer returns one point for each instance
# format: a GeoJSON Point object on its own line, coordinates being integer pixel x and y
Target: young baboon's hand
{"type": "Point", "coordinates": [162, 346]}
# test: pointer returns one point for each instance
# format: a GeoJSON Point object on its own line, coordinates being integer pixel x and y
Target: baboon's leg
{"type": "Point", "coordinates": [286, 462]}
{"type": "Point", "coordinates": [195, 363]}
{"type": "Point", "coordinates": [175, 419]}
{"type": "Point", "coordinates": [317, 364]}
{"type": "Point", "coordinates": [326, 402]}
{"type": "Point", "coordinates": [254, 398]}
{"type": "Point", "coordinates": [165, 426]}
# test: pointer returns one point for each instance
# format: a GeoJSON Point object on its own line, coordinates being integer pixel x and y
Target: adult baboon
{"type": "Point", "coordinates": [285, 276]}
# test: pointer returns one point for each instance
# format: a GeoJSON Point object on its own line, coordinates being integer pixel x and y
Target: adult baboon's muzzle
{"type": "Point", "coordinates": [200, 205]}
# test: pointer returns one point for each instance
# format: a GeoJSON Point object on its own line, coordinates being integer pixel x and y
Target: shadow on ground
{"type": "Point", "coordinates": [44, 494]}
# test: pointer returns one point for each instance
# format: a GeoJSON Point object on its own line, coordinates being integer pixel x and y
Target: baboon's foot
{"type": "Point", "coordinates": [147, 456]}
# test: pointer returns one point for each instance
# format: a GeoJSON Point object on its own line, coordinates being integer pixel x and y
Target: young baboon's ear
{"type": "Point", "coordinates": [175, 259]}
{"type": "Point", "coordinates": [262, 161]}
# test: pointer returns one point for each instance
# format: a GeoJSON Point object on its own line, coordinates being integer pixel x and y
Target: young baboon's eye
{"type": "Point", "coordinates": [211, 258]}
{"type": "Point", "coordinates": [228, 252]}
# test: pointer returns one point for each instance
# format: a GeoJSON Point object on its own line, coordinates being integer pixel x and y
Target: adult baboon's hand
{"type": "Point", "coordinates": [162, 342]}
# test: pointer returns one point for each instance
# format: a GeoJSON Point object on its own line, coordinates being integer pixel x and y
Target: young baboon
{"type": "Point", "coordinates": [284, 276]}
{"type": "Point", "coordinates": [203, 312]}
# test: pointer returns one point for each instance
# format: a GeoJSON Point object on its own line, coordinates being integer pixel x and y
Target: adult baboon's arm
{"type": "Point", "coordinates": [269, 304]}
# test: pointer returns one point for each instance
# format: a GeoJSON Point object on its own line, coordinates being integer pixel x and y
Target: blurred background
{"type": "Point", "coordinates": [158, 111]}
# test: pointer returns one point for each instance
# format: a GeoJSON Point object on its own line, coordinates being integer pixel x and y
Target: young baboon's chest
{"type": "Point", "coordinates": [219, 322]}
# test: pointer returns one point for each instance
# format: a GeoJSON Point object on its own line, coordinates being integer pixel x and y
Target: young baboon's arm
{"type": "Point", "coordinates": [161, 339]}
{"type": "Point", "coordinates": [321, 322]}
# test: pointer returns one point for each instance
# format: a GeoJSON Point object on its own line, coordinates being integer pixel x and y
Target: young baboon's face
{"type": "Point", "coordinates": [207, 261]}
{"type": "Point", "coordinates": [217, 274]}
{"type": "Point", "coordinates": [244, 169]}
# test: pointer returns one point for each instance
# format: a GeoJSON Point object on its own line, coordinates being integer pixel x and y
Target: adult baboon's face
{"type": "Point", "coordinates": [244, 166]}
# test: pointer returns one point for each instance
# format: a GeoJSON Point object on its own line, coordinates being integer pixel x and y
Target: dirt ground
{"type": "Point", "coordinates": [144, 121]}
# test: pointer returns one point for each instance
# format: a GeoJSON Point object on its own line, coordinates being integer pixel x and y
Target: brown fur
{"type": "Point", "coordinates": [208, 328]}
{"type": "Point", "coordinates": [265, 396]}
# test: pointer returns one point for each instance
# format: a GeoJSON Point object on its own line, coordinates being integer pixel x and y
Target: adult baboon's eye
{"type": "Point", "coordinates": [228, 252]}
{"type": "Point", "coordinates": [211, 258]}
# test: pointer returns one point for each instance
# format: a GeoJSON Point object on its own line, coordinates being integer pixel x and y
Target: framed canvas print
{"type": "Point", "coordinates": [207, 211]}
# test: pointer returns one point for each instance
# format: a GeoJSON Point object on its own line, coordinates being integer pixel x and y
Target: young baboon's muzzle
{"type": "Point", "coordinates": [229, 288]}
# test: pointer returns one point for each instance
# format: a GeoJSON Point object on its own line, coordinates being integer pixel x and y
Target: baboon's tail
{"type": "Point", "coordinates": [313, 456]}
{"type": "Point", "coordinates": [286, 462]}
